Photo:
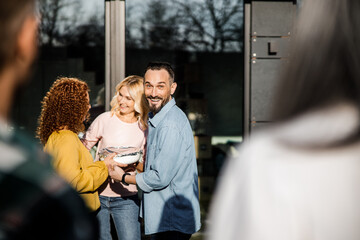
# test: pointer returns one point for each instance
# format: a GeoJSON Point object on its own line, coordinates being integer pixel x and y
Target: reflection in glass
{"type": "Point", "coordinates": [193, 25]}
{"type": "Point", "coordinates": [71, 39]}
{"type": "Point", "coordinates": [203, 40]}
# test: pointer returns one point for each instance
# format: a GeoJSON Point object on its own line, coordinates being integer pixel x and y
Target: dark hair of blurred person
{"type": "Point", "coordinates": [300, 178]}
{"type": "Point", "coordinates": [18, 31]}
{"type": "Point", "coordinates": [35, 202]}
{"type": "Point", "coordinates": [325, 63]}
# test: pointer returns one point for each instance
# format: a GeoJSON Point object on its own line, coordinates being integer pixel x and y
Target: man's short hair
{"type": "Point", "coordinates": [12, 15]}
{"type": "Point", "coordinates": [162, 65]}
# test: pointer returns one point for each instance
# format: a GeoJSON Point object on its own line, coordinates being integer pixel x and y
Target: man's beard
{"type": "Point", "coordinates": [155, 109]}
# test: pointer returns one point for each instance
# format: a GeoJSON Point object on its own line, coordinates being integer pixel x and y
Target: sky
{"type": "Point", "coordinates": [88, 8]}
{"type": "Point", "coordinates": [92, 6]}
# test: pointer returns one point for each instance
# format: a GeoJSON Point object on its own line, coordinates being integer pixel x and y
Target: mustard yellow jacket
{"type": "Point", "coordinates": [75, 164]}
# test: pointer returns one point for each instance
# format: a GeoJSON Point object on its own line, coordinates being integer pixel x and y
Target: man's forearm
{"type": "Point", "coordinates": [130, 179]}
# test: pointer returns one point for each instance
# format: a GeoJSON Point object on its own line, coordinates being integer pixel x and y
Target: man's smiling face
{"type": "Point", "coordinates": [158, 89]}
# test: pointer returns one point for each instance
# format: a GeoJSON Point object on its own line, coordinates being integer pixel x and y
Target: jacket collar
{"type": "Point", "coordinates": [322, 127]}
{"type": "Point", "coordinates": [156, 119]}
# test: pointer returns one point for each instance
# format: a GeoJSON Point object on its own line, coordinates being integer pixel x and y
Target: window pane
{"type": "Point", "coordinates": [203, 40]}
{"type": "Point", "coordinates": [71, 38]}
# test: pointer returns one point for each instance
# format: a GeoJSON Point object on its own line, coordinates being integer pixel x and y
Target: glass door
{"type": "Point", "coordinates": [203, 40]}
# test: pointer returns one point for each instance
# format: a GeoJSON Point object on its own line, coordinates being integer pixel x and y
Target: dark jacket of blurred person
{"type": "Point", "coordinates": [35, 203]}
{"type": "Point", "coordinates": [300, 179]}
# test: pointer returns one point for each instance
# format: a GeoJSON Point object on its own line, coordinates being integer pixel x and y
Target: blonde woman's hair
{"type": "Point", "coordinates": [135, 86]}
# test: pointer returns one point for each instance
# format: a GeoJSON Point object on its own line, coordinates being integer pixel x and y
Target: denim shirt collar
{"type": "Point", "coordinates": [155, 120]}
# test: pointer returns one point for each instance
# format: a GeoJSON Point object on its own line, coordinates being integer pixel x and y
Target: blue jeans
{"type": "Point", "coordinates": [173, 235]}
{"type": "Point", "coordinates": [125, 214]}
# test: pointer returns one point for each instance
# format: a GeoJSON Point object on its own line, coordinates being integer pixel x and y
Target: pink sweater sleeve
{"type": "Point", "coordinates": [93, 134]}
{"type": "Point", "coordinates": [144, 146]}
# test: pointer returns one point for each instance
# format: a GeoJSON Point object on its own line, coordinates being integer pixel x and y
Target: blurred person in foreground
{"type": "Point", "coordinates": [64, 109]}
{"type": "Point", "coordinates": [300, 179]}
{"type": "Point", "coordinates": [35, 203]}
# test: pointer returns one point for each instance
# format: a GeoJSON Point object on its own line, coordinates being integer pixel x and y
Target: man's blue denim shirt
{"type": "Point", "coordinates": [170, 179]}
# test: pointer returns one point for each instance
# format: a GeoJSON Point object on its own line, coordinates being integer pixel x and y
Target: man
{"type": "Point", "coordinates": [35, 203]}
{"type": "Point", "coordinates": [170, 206]}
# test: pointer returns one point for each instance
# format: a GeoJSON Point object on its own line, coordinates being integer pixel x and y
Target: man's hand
{"type": "Point", "coordinates": [117, 173]}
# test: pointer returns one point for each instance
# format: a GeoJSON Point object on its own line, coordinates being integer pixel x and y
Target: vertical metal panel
{"type": "Point", "coordinates": [272, 18]}
{"type": "Point", "coordinates": [107, 56]}
{"type": "Point", "coordinates": [260, 47]}
{"type": "Point", "coordinates": [256, 126]}
{"type": "Point", "coordinates": [122, 39]}
{"type": "Point", "coordinates": [114, 47]}
{"type": "Point", "coordinates": [265, 78]}
{"type": "Point", "coordinates": [247, 44]}
{"type": "Point", "coordinates": [268, 26]}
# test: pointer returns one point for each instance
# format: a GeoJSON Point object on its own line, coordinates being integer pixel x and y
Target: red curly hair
{"type": "Point", "coordinates": [66, 104]}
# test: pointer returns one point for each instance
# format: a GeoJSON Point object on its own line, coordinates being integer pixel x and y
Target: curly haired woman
{"type": "Point", "coordinates": [64, 109]}
{"type": "Point", "coordinates": [124, 125]}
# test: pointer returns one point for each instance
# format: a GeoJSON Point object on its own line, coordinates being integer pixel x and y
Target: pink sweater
{"type": "Point", "coordinates": [110, 131]}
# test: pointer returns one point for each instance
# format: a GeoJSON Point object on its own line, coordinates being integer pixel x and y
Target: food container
{"type": "Point", "coordinates": [125, 155]}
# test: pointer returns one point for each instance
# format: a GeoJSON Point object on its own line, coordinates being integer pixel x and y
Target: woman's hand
{"type": "Point", "coordinates": [110, 163]}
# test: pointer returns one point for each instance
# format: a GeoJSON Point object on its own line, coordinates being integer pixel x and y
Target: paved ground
{"type": "Point", "coordinates": [197, 236]}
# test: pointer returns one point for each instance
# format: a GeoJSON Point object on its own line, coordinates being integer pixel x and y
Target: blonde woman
{"type": "Point", "coordinates": [124, 125]}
